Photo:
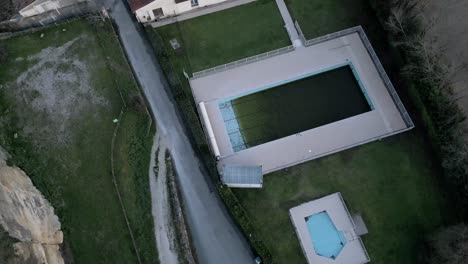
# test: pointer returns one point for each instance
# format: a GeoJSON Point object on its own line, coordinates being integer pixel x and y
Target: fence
{"type": "Point", "coordinates": [245, 61]}
{"type": "Point", "coordinates": [388, 84]}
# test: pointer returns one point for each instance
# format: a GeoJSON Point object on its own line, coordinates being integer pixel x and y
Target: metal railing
{"type": "Point", "coordinates": [384, 76]}
{"type": "Point", "coordinates": [388, 84]}
{"type": "Point", "coordinates": [241, 62]}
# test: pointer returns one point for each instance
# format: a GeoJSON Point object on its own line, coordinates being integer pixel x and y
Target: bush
{"type": "Point", "coordinates": [446, 246]}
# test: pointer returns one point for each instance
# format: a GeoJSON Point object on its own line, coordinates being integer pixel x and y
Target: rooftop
{"type": "Point", "coordinates": [137, 4]}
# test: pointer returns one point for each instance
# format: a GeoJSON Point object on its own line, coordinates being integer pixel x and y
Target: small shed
{"type": "Point", "coordinates": [238, 176]}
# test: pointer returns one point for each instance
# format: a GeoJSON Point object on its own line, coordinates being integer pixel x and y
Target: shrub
{"type": "Point", "coordinates": [446, 246]}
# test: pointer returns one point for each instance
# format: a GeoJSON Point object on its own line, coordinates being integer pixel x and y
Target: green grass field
{"type": "Point", "coordinates": [317, 17]}
{"type": "Point", "coordinates": [298, 106]}
{"type": "Point", "coordinates": [228, 35]}
{"type": "Point", "coordinates": [59, 95]}
{"type": "Point", "coordinates": [392, 183]}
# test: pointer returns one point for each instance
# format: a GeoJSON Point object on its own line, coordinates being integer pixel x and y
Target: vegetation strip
{"type": "Point", "coordinates": [114, 180]}
{"type": "Point", "coordinates": [183, 240]}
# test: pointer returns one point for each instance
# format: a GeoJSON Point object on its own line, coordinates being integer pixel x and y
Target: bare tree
{"type": "Point", "coordinates": [448, 246]}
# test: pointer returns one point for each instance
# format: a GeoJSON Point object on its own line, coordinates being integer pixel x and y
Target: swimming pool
{"type": "Point", "coordinates": [294, 106]}
{"type": "Point", "coordinates": [326, 239]}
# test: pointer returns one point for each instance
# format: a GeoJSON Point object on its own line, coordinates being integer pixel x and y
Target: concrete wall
{"type": "Point", "coordinates": [42, 6]}
{"type": "Point", "coordinates": [56, 15]}
{"type": "Point", "coordinates": [170, 8]}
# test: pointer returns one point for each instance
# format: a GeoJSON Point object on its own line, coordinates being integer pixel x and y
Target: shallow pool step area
{"type": "Point", "coordinates": [361, 228]}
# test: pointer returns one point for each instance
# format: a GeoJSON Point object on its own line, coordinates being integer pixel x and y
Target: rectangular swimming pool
{"type": "Point", "coordinates": [294, 106]}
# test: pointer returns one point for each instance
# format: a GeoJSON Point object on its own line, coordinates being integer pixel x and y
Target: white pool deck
{"type": "Point", "coordinates": [384, 120]}
{"type": "Point", "coordinates": [353, 252]}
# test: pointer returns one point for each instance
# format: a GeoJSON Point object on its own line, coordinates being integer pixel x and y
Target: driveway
{"type": "Point", "coordinates": [216, 238]}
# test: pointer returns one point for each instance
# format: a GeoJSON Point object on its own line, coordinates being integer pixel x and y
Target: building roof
{"type": "Point", "coordinates": [137, 4]}
{"type": "Point", "coordinates": [243, 176]}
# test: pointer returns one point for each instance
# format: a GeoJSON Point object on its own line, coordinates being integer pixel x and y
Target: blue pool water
{"type": "Point", "coordinates": [327, 240]}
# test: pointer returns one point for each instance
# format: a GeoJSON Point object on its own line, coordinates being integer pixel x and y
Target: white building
{"type": "Point", "coordinates": [152, 10]}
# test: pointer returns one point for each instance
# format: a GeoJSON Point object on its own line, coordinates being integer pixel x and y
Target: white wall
{"type": "Point", "coordinates": [170, 8]}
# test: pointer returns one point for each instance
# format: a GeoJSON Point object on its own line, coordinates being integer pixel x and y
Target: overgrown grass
{"type": "Point", "coordinates": [392, 183]}
{"type": "Point", "coordinates": [132, 157]}
{"type": "Point", "coordinates": [75, 174]}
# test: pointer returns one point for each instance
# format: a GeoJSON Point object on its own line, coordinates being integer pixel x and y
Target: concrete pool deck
{"type": "Point", "coordinates": [384, 120]}
{"type": "Point", "coordinates": [353, 252]}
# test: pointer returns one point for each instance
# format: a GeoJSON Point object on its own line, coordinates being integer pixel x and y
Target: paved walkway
{"type": "Point", "coordinates": [200, 12]}
{"type": "Point", "coordinates": [216, 238]}
{"type": "Point", "coordinates": [289, 24]}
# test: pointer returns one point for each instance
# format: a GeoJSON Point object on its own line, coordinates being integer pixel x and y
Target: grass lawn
{"type": "Point", "coordinates": [318, 17]}
{"type": "Point", "coordinates": [305, 104]}
{"type": "Point", "coordinates": [390, 182]}
{"type": "Point", "coordinates": [228, 35]}
{"type": "Point", "coordinates": [59, 95]}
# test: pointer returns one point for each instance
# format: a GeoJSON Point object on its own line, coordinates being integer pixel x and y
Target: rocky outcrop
{"type": "Point", "coordinates": [28, 217]}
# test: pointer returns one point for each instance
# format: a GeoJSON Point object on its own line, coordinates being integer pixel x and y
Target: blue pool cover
{"type": "Point", "coordinates": [327, 240]}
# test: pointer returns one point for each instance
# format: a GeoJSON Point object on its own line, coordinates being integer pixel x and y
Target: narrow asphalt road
{"type": "Point", "coordinates": [215, 237]}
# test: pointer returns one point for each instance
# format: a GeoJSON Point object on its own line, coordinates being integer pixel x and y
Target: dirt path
{"type": "Point", "coordinates": [164, 230]}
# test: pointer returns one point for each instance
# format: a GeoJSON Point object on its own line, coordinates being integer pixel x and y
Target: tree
{"type": "Point", "coordinates": [447, 246]}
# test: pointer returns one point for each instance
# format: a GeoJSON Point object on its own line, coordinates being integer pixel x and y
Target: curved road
{"type": "Point", "coordinates": [216, 238]}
